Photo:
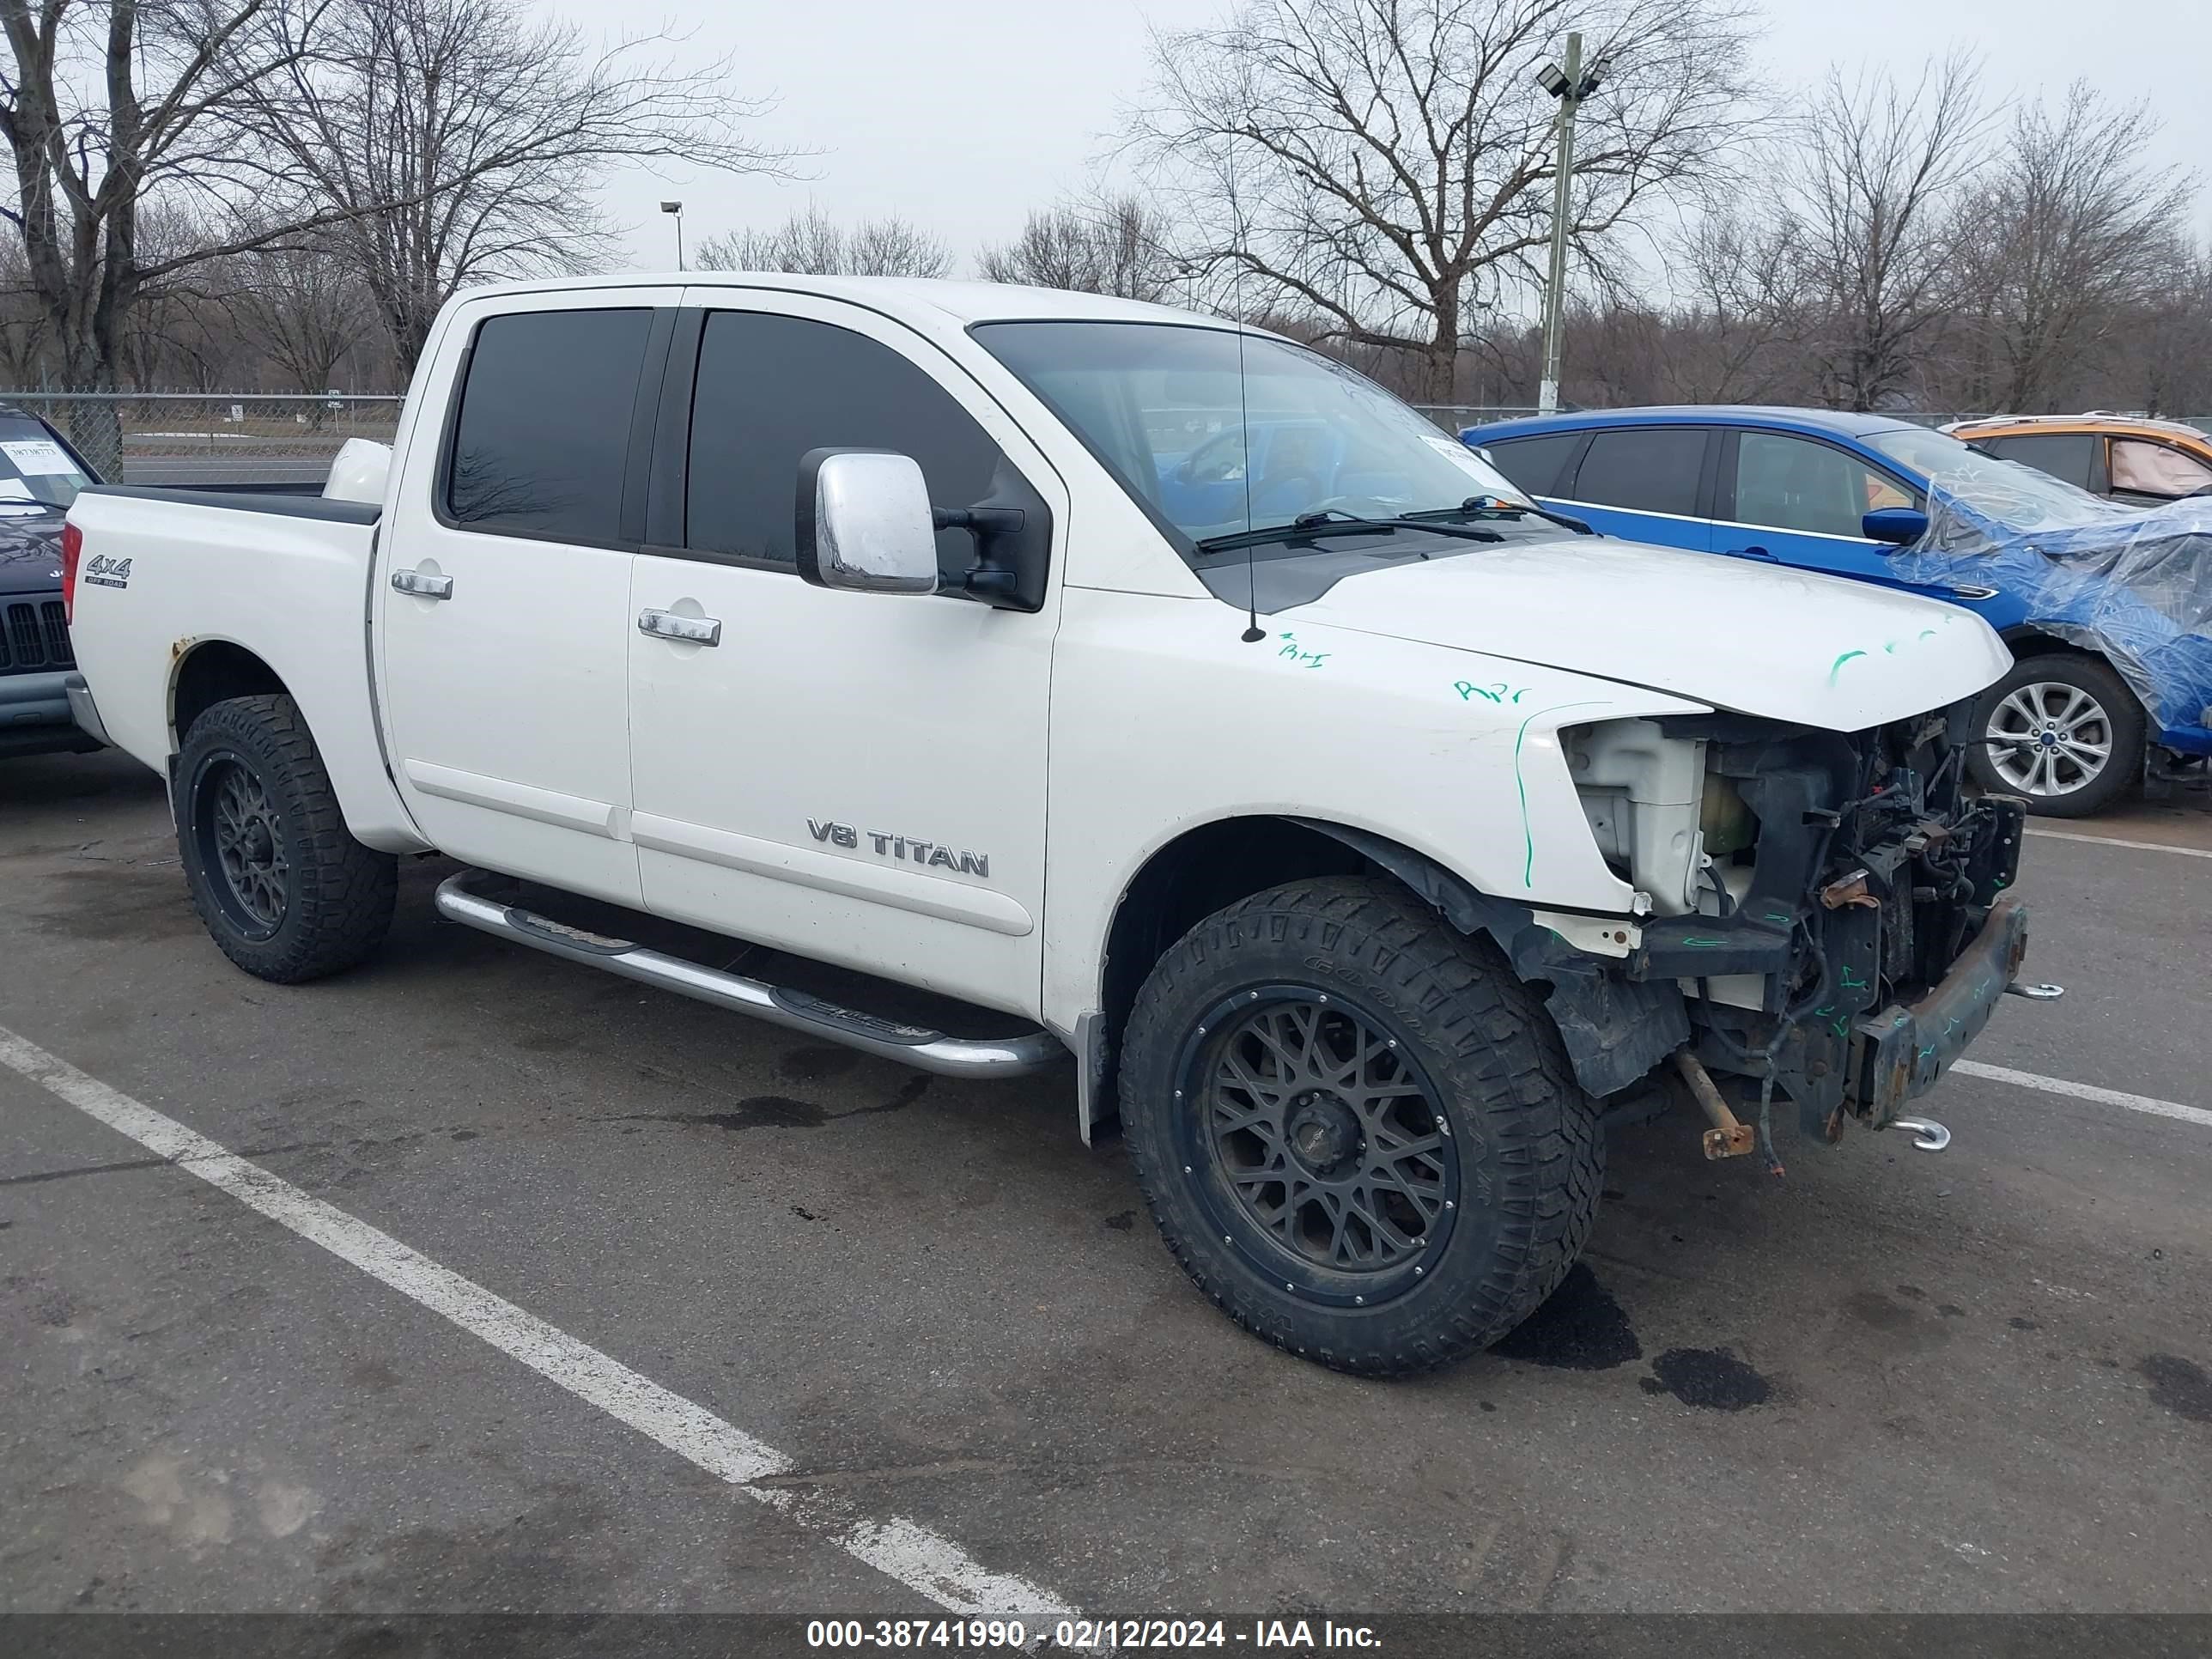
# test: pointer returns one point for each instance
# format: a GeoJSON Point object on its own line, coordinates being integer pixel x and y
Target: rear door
{"type": "Point", "coordinates": [1799, 500]}
{"type": "Point", "coordinates": [1648, 484]}
{"type": "Point", "coordinates": [503, 600]}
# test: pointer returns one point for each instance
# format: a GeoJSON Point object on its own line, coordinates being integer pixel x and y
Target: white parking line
{"type": "Point", "coordinates": [922, 1559]}
{"type": "Point", "coordinates": [2059, 1086]}
{"type": "Point", "coordinates": [2111, 841]}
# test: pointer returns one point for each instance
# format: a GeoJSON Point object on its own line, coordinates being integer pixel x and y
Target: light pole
{"type": "Point", "coordinates": [677, 207]}
{"type": "Point", "coordinates": [1570, 88]}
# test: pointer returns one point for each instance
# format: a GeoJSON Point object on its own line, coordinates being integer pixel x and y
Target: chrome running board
{"type": "Point", "coordinates": [796, 1010]}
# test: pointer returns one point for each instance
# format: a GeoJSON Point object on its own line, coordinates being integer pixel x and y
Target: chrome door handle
{"type": "Point", "coordinates": [422, 587]}
{"type": "Point", "coordinates": [692, 630]}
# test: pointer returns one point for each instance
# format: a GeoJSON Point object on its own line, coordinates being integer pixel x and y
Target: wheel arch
{"type": "Point", "coordinates": [1210, 866]}
{"type": "Point", "coordinates": [2027, 640]}
{"type": "Point", "coordinates": [209, 669]}
{"type": "Point", "coordinates": [212, 671]}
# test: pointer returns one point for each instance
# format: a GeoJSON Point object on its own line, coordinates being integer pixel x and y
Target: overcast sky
{"type": "Point", "coordinates": [963, 115]}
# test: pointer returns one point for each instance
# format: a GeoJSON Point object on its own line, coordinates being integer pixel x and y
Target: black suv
{"type": "Point", "coordinates": [39, 477]}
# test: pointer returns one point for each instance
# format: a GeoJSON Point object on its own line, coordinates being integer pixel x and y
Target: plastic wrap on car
{"type": "Point", "coordinates": [2133, 584]}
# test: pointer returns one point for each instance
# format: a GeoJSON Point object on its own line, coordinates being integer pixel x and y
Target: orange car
{"type": "Point", "coordinates": [2115, 455]}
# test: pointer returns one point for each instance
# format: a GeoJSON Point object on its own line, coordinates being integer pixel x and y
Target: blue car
{"type": "Point", "coordinates": [1827, 490]}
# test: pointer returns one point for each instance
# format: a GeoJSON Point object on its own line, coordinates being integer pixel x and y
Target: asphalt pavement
{"type": "Point", "coordinates": [947, 1338]}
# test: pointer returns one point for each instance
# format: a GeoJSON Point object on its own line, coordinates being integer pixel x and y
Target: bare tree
{"type": "Point", "coordinates": [23, 323]}
{"type": "Point", "coordinates": [1388, 164]}
{"type": "Point", "coordinates": [812, 244]}
{"type": "Point", "coordinates": [2072, 234]}
{"type": "Point", "coordinates": [1112, 244]}
{"type": "Point", "coordinates": [449, 141]}
{"type": "Point", "coordinates": [1867, 192]}
{"type": "Point", "coordinates": [1739, 311]}
{"type": "Point", "coordinates": [2161, 359]}
{"type": "Point", "coordinates": [108, 103]}
{"type": "Point", "coordinates": [308, 309]}
{"type": "Point", "coordinates": [177, 333]}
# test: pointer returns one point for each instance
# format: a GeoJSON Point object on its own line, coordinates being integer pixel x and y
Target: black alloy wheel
{"type": "Point", "coordinates": [241, 839]}
{"type": "Point", "coordinates": [1330, 1154]}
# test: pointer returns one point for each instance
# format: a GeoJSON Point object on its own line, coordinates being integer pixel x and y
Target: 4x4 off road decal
{"type": "Point", "coordinates": [104, 572]}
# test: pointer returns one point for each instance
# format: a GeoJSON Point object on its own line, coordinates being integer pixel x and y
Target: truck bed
{"type": "Point", "coordinates": [175, 585]}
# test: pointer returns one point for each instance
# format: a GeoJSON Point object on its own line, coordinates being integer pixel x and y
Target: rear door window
{"type": "Point", "coordinates": [1534, 463]}
{"type": "Point", "coordinates": [1652, 468]}
{"type": "Point", "coordinates": [541, 440]}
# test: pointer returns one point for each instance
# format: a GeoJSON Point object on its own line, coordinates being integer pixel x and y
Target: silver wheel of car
{"type": "Point", "coordinates": [2048, 739]}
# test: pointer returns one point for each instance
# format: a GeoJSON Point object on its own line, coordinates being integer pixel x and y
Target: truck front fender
{"type": "Point", "coordinates": [1615, 1028]}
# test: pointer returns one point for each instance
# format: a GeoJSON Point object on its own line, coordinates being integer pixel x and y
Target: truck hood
{"type": "Point", "coordinates": [1758, 639]}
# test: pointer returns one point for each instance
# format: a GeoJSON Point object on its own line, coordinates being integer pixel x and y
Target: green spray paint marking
{"type": "Point", "coordinates": [1520, 784]}
{"type": "Point", "coordinates": [1704, 944]}
{"type": "Point", "coordinates": [1298, 655]}
{"type": "Point", "coordinates": [1837, 667]}
{"type": "Point", "coordinates": [1927, 633]}
{"type": "Point", "coordinates": [1851, 980]}
{"type": "Point", "coordinates": [1496, 691]}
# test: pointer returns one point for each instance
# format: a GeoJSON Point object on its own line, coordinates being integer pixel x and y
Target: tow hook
{"type": "Point", "coordinates": [1728, 1137]}
{"type": "Point", "coordinates": [2035, 993]}
{"type": "Point", "coordinates": [1928, 1135]}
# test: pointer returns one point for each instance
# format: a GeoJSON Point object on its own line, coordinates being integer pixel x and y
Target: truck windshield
{"type": "Point", "coordinates": [35, 472]}
{"type": "Point", "coordinates": [1212, 446]}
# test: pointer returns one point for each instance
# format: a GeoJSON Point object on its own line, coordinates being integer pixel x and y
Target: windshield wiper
{"type": "Point", "coordinates": [1311, 526]}
{"type": "Point", "coordinates": [1489, 506]}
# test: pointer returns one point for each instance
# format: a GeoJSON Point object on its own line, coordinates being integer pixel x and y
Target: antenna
{"type": "Point", "coordinates": [1253, 632]}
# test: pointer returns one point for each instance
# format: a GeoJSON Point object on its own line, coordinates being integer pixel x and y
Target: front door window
{"type": "Point", "coordinates": [1784, 482]}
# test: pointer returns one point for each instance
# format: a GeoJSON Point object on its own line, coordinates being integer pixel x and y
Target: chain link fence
{"type": "Point", "coordinates": [233, 439]}
{"type": "Point", "coordinates": [213, 438]}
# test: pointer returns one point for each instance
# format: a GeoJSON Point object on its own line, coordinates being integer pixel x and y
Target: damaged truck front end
{"type": "Point", "coordinates": [1825, 919]}
{"type": "Point", "coordinates": [1855, 927]}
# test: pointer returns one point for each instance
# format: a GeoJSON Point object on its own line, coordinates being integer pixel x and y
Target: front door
{"type": "Point", "coordinates": [503, 600]}
{"type": "Point", "coordinates": [856, 777]}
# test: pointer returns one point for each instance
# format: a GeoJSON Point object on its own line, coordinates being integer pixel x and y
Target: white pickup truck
{"type": "Point", "coordinates": [1144, 688]}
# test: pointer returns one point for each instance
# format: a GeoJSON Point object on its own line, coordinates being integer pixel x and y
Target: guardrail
{"type": "Point", "coordinates": [211, 437]}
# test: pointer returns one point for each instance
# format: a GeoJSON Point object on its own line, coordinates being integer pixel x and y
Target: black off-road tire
{"type": "Point", "coordinates": [324, 900]}
{"type": "Point", "coordinates": [2126, 727]}
{"type": "Point", "coordinates": [1529, 1148]}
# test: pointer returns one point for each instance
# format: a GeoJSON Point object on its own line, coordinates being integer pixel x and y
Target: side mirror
{"type": "Point", "coordinates": [359, 473]}
{"type": "Point", "coordinates": [1899, 526]}
{"type": "Point", "coordinates": [862, 522]}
